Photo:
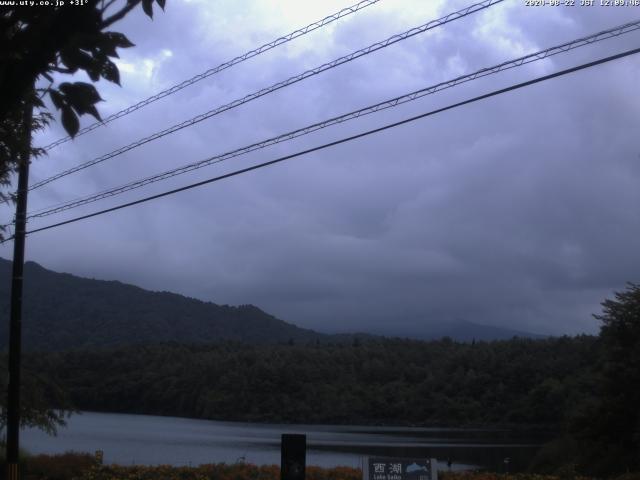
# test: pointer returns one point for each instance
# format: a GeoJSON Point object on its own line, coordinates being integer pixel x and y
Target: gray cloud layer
{"type": "Point", "coordinates": [518, 211]}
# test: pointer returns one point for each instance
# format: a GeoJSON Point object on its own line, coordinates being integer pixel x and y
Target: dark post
{"type": "Point", "coordinates": [15, 325]}
{"type": "Point", "coordinates": [293, 457]}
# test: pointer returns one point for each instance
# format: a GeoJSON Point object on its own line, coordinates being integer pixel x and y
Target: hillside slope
{"type": "Point", "coordinates": [62, 311]}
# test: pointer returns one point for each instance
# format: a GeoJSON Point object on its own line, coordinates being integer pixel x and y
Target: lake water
{"type": "Point", "coordinates": [151, 440]}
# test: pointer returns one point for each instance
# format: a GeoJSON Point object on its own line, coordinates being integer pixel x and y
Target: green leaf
{"type": "Point", "coordinates": [147, 6]}
{"type": "Point", "coordinates": [70, 121]}
{"type": "Point", "coordinates": [87, 40]}
{"type": "Point", "coordinates": [110, 72]}
{"type": "Point", "coordinates": [81, 97]}
{"type": "Point", "coordinates": [80, 93]}
{"type": "Point", "coordinates": [56, 98]}
{"type": "Point", "coordinates": [94, 72]}
{"type": "Point", "coordinates": [93, 111]}
{"type": "Point", "coordinates": [118, 39]}
{"type": "Point", "coordinates": [107, 46]}
{"type": "Point", "coordinates": [74, 59]}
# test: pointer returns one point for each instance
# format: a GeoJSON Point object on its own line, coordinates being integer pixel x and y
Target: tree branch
{"type": "Point", "coordinates": [119, 15]}
{"type": "Point", "coordinates": [104, 7]}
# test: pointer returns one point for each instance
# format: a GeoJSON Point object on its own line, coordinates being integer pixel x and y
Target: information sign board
{"type": "Point", "coordinates": [386, 468]}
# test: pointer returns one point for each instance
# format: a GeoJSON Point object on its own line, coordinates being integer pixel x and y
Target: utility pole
{"type": "Point", "coordinates": [15, 325]}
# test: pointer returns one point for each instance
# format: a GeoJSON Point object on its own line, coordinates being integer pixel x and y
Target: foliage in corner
{"type": "Point", "coordinates": [610, 428]}
{"type": "Point", "coordinates": [43, 403]}
{"type": "Point", "coordinates": [38, 44]}
{"type": "Point", "coordinates": [12, 135]}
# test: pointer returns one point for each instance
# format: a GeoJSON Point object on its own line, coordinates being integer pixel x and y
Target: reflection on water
{"type": "Point", "coordinates": [151, 440]}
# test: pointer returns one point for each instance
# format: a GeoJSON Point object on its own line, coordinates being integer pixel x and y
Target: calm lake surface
{"type": "Point", "coordinates": [151, 440]}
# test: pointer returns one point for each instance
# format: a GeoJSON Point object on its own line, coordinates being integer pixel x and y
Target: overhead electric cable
{"type": "Point", "coordinates": [290, 81]}
{"type": "Point", "coordinates": [540, 55]}
{"type": "Point", "coordinates": [343, 140]}
{"type": "Point", "coordinates": [223, 66]}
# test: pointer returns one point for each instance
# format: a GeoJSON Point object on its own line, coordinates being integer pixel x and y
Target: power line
{"type": "Point", "coordinates": [597, 37]}
{"type": "Point", "coordinates": [344, 140]}
{"type": "Point", "coordinates": [223, 66]}
{"type": "Point", "coordinates": [290, 81]}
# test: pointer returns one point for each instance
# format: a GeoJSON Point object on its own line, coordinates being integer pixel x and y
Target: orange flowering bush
{"type": "Point", "coordinates": [220, 471]}
{"type": "Point", "coordinates": [58, 467]}
{"type": "Point", "coordinates": [74, 466]}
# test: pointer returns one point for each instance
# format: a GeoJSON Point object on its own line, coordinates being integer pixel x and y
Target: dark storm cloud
{"type": "Point", "coordinates": [514, 211]}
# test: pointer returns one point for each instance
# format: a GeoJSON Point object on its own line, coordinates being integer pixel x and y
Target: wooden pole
{"type": "Point", "coordinates": [15, 325]}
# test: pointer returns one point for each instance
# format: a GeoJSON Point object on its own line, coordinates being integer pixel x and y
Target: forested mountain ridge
{"type": "Point", "coordinates": [63, 311]}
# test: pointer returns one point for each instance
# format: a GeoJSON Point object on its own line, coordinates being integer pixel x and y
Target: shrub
{"type": "Point", "coordinates": [58, 467]}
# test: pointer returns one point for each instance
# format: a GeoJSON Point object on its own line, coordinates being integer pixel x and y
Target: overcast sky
{"type": "Point", "coordinates": [521, 211]}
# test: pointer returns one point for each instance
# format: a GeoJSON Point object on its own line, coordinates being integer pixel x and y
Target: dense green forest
{"type": "Point", "coordinates": [373, 382]}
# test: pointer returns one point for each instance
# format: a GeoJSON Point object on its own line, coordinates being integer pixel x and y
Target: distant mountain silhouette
{"type": "Point", "coordinates": [462, 331]}
{"type": "Point", "coordinates": [63, 311]}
